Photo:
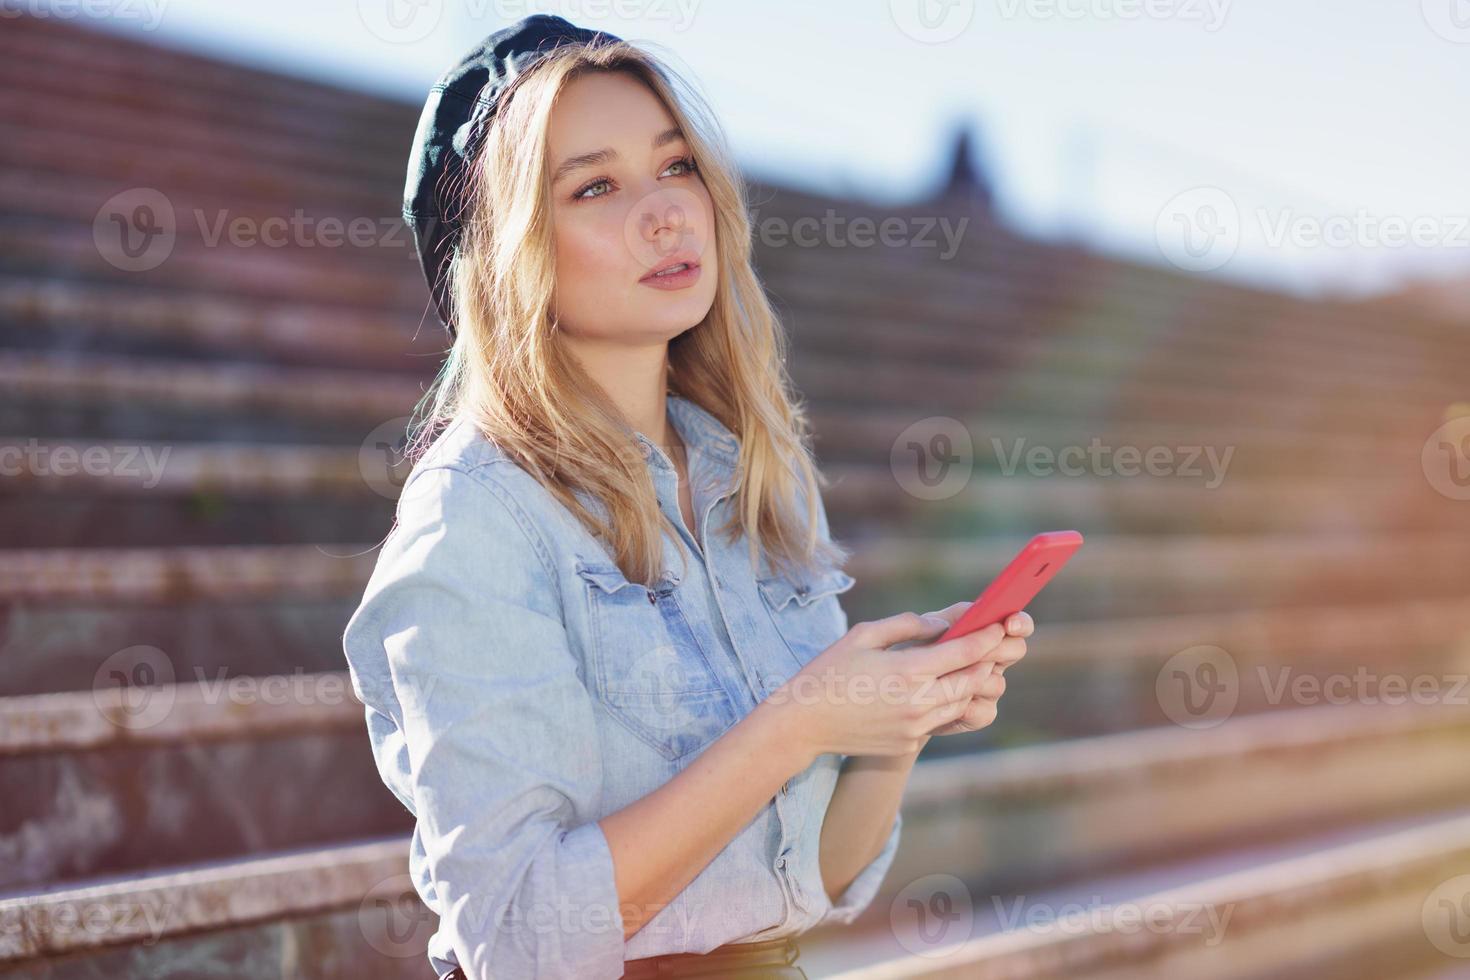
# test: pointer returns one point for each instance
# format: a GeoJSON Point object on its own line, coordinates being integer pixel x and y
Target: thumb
{"type": "Point", "coordinates": [899, 628]}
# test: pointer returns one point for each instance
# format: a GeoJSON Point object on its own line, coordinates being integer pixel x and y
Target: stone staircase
{"type": "Point", "coordinates": [186, 780]}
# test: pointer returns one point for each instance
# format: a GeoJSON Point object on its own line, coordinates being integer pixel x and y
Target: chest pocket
{"type": "Point", "coordinates": [805, 608]}
{"type": "Point", "coordinates": [647, 667]}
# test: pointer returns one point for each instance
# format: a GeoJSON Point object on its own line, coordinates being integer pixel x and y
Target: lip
{"type": "Point", "coordinates": [685, 257]}
{"type": "Point", "coordinates": [677, 280]}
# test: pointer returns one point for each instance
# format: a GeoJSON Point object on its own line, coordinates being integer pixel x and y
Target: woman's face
{"type": "Point", "coordinates": [634, 208]}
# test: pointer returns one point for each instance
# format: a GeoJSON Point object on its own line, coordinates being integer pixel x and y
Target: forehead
{"type": "Point", "coordinates": [605, 109]}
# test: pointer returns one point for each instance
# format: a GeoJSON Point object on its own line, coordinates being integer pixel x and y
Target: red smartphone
{"type": "Point", "coordinates": [1020, 581]}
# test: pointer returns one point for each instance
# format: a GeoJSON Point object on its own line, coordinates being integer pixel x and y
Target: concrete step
{"type": "Point", "coordinates": [43, 313]}
{"type": "Point", "coordinates": [113, 69]}
{"type": "Point", "coordinates": [1227, 491]}
{"type": "Point", "coordinates": [110, 397]}
{"type": "Point", "coordinates": [326, 275]}
{"type": "Point", "coordinates": [872, 433]}
{"type": "Point", "coordinates": [1124, 575]}
{"type": "Point", "coordinates": [967, 393]}
{"type": "Point", "coordinates": [1135, 338]}
{"type": "Point", "coordinates": [263, 609]}
{"type": "Point", "coordinates": [166, 391]}
{"type": "Point", "coordinates": [1015, 273]}
{"type": "Point", "coordinates": [1030, 817]}
{"type": "Point", "coordinates": [1374, 906]}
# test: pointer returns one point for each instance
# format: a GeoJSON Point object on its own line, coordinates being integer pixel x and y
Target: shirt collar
{"type": "Point", "coordinates": [705, 437]}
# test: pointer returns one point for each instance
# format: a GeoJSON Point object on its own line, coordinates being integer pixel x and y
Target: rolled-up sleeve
{"type": "Point", "coordinates": [860, 893]}
{"type": "Point", "coordinates": [477, 695]}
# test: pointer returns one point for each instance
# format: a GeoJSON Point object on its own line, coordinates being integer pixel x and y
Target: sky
{"type": "Point", "coordinates": [1316, 146]}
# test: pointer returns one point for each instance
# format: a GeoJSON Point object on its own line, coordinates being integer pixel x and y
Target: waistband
{"type": "Point", "coordinates": [769, 952]}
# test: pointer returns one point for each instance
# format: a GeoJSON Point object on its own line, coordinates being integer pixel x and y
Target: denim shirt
{"type": "Point", "coordinates": [518, 688]}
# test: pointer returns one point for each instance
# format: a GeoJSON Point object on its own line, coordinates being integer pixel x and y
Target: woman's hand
{"type": "Point", "coordinates": [859, 697]}
{"type": "Point", "coordinates": [1011, 647]}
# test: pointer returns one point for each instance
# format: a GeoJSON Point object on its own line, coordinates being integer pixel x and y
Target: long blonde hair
{"type": "Point", "coordinates": [509, 374]}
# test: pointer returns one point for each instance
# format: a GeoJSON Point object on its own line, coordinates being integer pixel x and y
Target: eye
{"type": "Point", "coordinates": [582, 193]}
{"type": "Point", "coordinates": [688, 162]}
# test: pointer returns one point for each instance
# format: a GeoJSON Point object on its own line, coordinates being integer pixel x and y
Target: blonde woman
{"type": "Point", "coordinates": [603, 654]}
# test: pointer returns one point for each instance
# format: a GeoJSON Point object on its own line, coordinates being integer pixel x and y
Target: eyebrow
{"type": "Point", "coordinates": [607, 154]}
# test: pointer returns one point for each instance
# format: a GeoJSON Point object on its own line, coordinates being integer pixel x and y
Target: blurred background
{"type": "Point", "coordinates": [1189, 276]}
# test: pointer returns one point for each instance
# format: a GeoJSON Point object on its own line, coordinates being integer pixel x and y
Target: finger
{"type": "Point", "coordinates": [903, 628]}
{"type": "Point", "coordinates": [962, 651]}
{"type": "Point", "coordinates": [1020, 624]}
{"type": "Point", "coordinates": [964, 682]}
{"type": "Point", "coordinates": [1009, 650]}
{"type": "Point", "coordinates": [991, 687]}
{"type": "Point", "coordinates": [946, 712]}
{"type": "Point", "coordinates": [953, 612]}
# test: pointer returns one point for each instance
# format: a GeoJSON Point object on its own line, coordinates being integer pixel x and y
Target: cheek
{"type": "Point", "coordinates": [592, 262]}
